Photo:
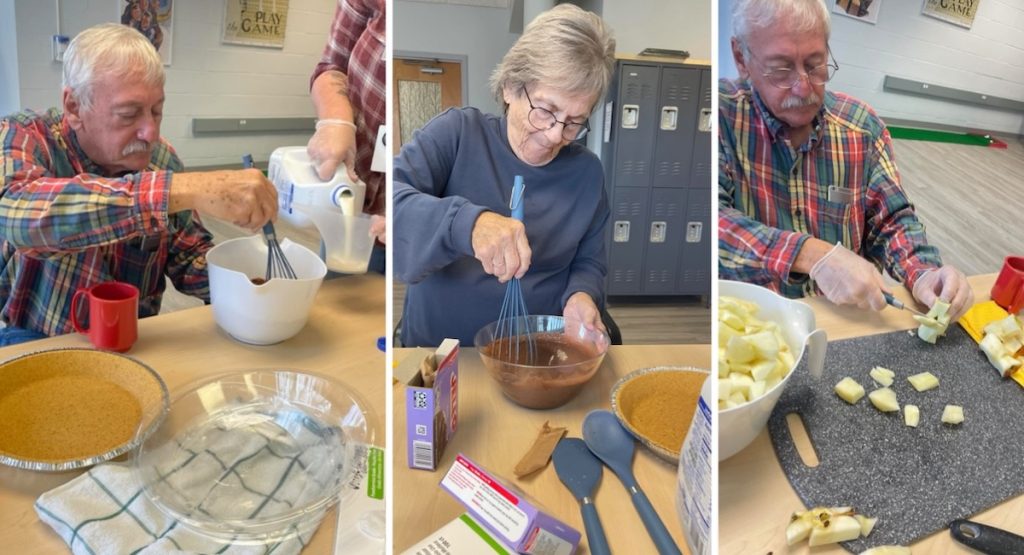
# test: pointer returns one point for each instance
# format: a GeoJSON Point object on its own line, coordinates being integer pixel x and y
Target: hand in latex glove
{"type": "Point", "coordinates": [501, 246]}
{"type": "Point", "coordinates": [330, 146]}
{"type": "Point", "coordinates": [379, 228]}
{"type": "Point", "coordinates": [847, 279]}
{"type": "Point", "coordinates": [581, 308]}
{"type": "Point", "coordinates": [946, 283]}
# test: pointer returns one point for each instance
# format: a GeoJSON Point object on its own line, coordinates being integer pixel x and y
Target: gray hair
{"type": "Point", "coordinates": [105, 49]}
{"type": "Point", "coordinates": [566, 48]}
{"type": "Point", "coordinates": [803, 15]}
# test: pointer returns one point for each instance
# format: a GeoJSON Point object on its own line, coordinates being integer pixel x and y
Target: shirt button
{"type": "Point", "coordinates": [797, 213]}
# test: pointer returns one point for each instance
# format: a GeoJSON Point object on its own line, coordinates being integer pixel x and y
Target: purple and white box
{"type": "Point", "coordinates": [514, 520]}
{"type": "Point", "coordinates": [432, 413]}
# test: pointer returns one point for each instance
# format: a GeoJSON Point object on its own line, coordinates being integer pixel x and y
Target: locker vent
{"type": "Point", "coordinates": [670, 168]}
{"type": "Point", "coordinates": [633, 167]}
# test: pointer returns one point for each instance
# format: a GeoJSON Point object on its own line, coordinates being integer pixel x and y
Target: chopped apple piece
{"type": "Point", "coordinates": [884, 400]}
{"type": "Point", "coordinates": [887, 550]}
{"type": "Point", "coordinates": [953, 414]}
{"type": "Point", "coordinates": [867, 524]}
{"type": "Point", "coordinates": [849, 390]}
{"type": "Point", "coordinates": [836, 529]}
{"type": "Point", "coordinates": [911, 415]}
{"type": "Point", "coordinates": [798, 530]}
{"type": "Point", "coordinates": [883, 376]}
{"type": "Point", "coordinates": [924, 381]}
{"type": "Point", "coordinates": [934, 323]}
{"type": "Point", "coordinates": [753, 354]}
{"type": "Point", "coordinates": [998, 355]}
{"type": "Point", "coordinates": [739, 349]}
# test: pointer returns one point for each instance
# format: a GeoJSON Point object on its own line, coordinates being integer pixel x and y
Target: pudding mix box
{"type": "Point", "coordinates": [432, 404]}
{"type": "Point", "coordinates": [505, 514]}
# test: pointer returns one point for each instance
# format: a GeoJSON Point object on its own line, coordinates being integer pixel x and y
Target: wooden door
{"type": "Point", "coordinates": [421, 89]}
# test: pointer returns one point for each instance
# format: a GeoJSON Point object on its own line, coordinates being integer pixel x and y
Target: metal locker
{"type": "Point", "coordinates": [694, 271]}
{"type": "Point", "coordinates": [635, 117]}
{"type": "Point", "coordinates": [700, 177]}
{"type": "Point", "coordinates": [679, 95]}
{"type": "Point", "coordinates": [627, 241]}
{"type": "Point", "coordinates": [663, 236]}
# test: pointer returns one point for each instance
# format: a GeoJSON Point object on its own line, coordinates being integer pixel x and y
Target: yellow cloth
{"type": "Point", "coordinates": [979, 316]}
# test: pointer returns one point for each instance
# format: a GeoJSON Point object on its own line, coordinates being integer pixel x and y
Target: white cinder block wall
{"type": "Point", "coordinates": [206, 78]}
{"type": "Point", "coordinates": [988, 59]}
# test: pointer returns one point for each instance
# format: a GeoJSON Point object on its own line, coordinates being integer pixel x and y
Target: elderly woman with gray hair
{"type": "Point", "coordinates": [454, 242]}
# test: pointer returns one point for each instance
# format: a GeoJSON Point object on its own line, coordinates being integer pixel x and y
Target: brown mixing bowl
{"type": "Point", "coordinates": [563, 358]}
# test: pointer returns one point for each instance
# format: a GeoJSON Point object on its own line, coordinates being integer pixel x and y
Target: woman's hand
{"type": "Point", "coordinates": [379, 228]}
{"type": "Point", "coordinates": [330, 146]}
{"type": "Point", "coordinates": [500, 244]}
{"type": "Point", "coordinates": [581, 308]}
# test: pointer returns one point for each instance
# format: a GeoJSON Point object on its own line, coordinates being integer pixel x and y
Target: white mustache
{"type": "Point", "coordinates": [796, 102]}
{"type": "Point", "coordinates": [135, 146]}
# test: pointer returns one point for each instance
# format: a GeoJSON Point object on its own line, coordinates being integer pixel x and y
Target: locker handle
{"type": "Point", "coordinates": [669, 118]}
{"type": "Point", "coordinates": [659, 232]}
{"type": "Point", "coordinates": [694, 231]}
{"type": "Point", "coordinates": [705, 120]}
{"type": "Point", "coordinates": [630, 116]}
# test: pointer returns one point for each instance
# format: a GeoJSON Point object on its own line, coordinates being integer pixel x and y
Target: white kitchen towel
{"type": "Point", "coordinates": [104, 511]}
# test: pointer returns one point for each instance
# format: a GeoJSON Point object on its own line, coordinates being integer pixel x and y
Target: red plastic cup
{"type": "Point", "coordinates": [113, 315]}
{"type": "Point", "coordinates": [1008, 291]}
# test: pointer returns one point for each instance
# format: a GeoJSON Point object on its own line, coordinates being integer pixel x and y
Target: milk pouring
{"type": "Point", "coordinates": [693, 491]}
{"type": "Point", "coordinates": [334, 207]}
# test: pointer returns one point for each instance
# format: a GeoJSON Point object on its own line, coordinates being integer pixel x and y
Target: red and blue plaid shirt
{"type": "Point", "coordinates": [841, 186]}
{"type": "Point", "coordinates": [66, 226]}
{"type": "Point", "coordinates": [356, 48]}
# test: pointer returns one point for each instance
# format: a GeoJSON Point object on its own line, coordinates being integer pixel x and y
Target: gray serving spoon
{"type": "Point", "coordinates": [581, 471]}
{"type": "Point", "coordinates": [607, 439]}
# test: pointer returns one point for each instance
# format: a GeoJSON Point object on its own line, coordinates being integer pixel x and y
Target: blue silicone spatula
{"type": "Point", "coordinates": [581, 471]}
{"type": "Point", "coordinates": [607, 439]}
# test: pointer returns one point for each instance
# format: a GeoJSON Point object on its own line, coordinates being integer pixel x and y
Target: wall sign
{"type": "Point", "coordinates": [255, 22]}
{"type": "Point", "coordinates": [958, 12]}
{"type": "Point", "coordinates": [864, 10]}
{"type": "Point", "coordinates": [152, 18]}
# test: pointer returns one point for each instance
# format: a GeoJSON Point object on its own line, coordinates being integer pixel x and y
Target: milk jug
{"type": "Point", "coordinates": [693, 488]}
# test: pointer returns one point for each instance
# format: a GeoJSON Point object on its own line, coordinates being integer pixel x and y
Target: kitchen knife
{"type": "Point", "coordinates": [896, 303]}
{"type": "Point", "coordinates": [986, 539]}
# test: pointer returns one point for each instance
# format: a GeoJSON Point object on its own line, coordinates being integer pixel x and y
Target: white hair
{"type": "Point", "coordinates": [105, 49]}
{"type": "Point", "coordinates": [566, 48]}
{"type": "Point", "coordinates": [801, 15]}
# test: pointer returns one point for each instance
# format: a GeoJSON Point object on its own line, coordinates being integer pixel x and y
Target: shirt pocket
{"type": "Point", "coordinates": [834, 222]}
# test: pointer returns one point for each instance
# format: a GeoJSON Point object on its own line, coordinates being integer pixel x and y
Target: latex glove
{"type": "Point", "coordinates": [581, 308]}
{"type": "Point", "coordinates": [847, 279]}
{"type": "Point", "coordinates": [946, 283]}
{"type": "Point", "coordinates": [332, 145]}
{"type": "Point", "coordinates": [379, 228]}
{"type": "Point", "coordinates": [501, 246]}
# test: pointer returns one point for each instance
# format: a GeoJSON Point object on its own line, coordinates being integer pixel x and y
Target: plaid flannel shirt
{"type": "Point", "coordinates": [773, 197]}
{"type": "Point", "coordinates": [67, 226]}
{"type": "Point", "coordinates": [356, 48]}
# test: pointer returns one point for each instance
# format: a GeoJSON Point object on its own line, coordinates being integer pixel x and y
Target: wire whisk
{"type": "Point", "coordinates": [277, 263]}
{"type": "Point", "coordinates": [514, 340]}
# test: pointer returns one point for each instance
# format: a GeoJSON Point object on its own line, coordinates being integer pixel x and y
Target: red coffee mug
{"type": "Point", "coordinates": [113, 315]}
{"type": "Point", "coordinates": [1008, 291]}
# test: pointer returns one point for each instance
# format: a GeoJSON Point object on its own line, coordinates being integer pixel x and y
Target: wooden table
{"type": "Point", "coordinates": [340, 340]}
{"type": "Point", "coordinates": [754, 498]}
{"type": "Point", "coordinates": [495, 433]}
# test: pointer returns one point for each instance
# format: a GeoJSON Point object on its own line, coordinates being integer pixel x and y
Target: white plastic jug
{"type": "Point", "coordinates": [693, 488]}
{"type": "Point", "coordinates": [334, 207]}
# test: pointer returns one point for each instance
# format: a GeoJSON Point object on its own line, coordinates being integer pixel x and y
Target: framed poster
{"type": "Point", "coordinates": [255, 22]}
{"type": "Point", "coordinates": [957, 12]}
{"type": "Point", "coordinates": [152, 18]}
{"type": "Point", "coordinates": [864, 10]}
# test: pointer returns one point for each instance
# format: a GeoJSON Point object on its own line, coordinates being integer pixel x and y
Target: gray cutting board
{"type": "Point", "coordinates": [915, 480]}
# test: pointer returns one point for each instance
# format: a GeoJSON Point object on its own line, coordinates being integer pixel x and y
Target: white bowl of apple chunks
{"type": "Point", "coordinates": [762, 336]}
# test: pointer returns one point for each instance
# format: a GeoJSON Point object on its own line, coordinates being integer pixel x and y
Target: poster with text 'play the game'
{"type": "Point", "coordinates": [255, 22]}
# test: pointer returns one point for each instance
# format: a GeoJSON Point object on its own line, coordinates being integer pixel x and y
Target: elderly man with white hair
{"type": "Point", "coordinates": [810, 200]}
{"type": "Point", "coordinates": [90, 192]}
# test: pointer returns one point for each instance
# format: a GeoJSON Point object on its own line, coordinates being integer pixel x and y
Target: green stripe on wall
{"type": "Point", "coordinates": [912, 134]}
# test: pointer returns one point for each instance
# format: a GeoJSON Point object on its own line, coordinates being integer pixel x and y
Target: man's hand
{"type": "Point", "coordinates": [948, 284]}
{"type": "Point", "coordinates": [243, 197]}
{"type": "Point", "coordinates": [847, 279]}
{"type": "Point", "coordinates": [379, 228]}
{"type": "Point", "coordinates": [500, 244]}
{"type": "Point", "coordinates": [330, 146]}
{"type": "Point", "coordinates": [581, 308]}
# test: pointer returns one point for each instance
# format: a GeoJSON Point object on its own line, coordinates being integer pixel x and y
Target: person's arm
{"type": "Point", "coordinates": [430, 230]}
{"type": "Point", "coordinates": [590, 265]}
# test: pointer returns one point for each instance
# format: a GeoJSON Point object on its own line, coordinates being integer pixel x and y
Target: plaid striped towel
{"type": "Point", "coordinates": [105, 511]}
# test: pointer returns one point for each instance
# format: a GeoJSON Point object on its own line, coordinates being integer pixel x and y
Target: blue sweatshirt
{"type": "Point", "coordinates": [456, 167]}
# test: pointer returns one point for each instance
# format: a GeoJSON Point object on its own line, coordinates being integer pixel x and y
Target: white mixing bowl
{"type": "Point", "coordinates": [267, 313]}
{"type": "Point", "coordinates": [738, 426]}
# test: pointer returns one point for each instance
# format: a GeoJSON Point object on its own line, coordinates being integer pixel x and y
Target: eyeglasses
{"type": "Point", "coordinates": [788, 77]}
{"type": "Point", "coordinates": [543, 120]}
